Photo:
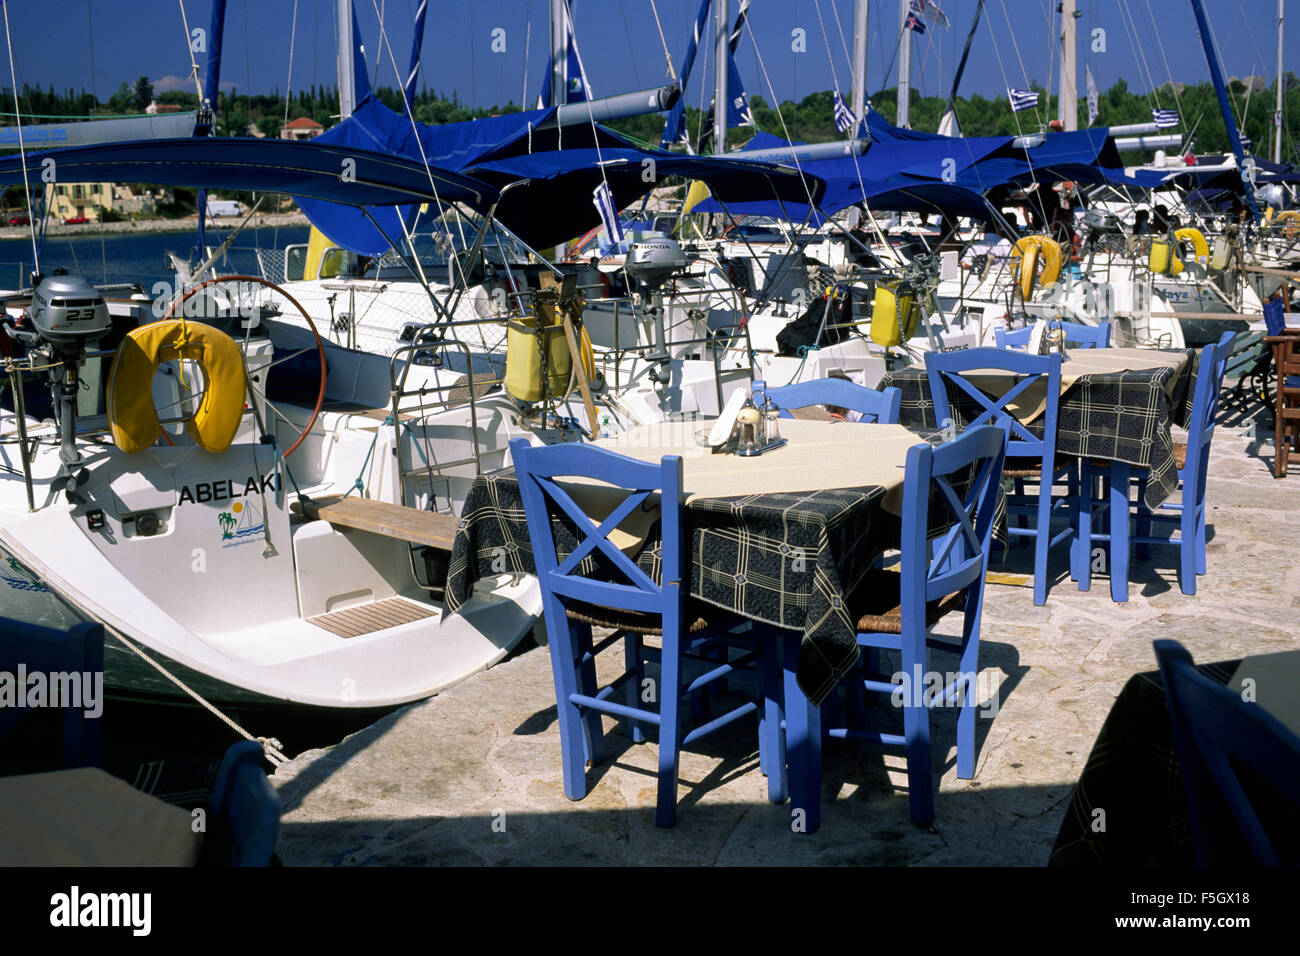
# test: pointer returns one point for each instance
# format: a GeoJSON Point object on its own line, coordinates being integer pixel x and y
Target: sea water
{"type": "Point", "coordinates": [142, 257]}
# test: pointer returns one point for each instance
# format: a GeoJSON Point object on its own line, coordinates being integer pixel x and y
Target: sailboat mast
{"type": "Point", "coordinates": [1225, 108]}
{"type": "Point", "coordinates": [559, 53]}
{"type": "Point", "coordinates": [347, 89]}
{"type": "Point", "coordinates": [1277, 112]}
{"type": "Point", "coordinates": [860, 13]}
{"type": "Point", "coordinates": [722, 56]}
{"type": "Point", "coordinates": [904, 66]}
{"type": "Point", "coordinates": [1068, 99]}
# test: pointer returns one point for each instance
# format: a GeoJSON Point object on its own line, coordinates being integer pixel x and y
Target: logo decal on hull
{"type": "Point", "coordinates": [241, 524]}
{"type": "Point", "coordinates": [19, 578]}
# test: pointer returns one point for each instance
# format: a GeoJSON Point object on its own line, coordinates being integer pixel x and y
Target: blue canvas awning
{"type": "Point", "coordinates": [350, 176]}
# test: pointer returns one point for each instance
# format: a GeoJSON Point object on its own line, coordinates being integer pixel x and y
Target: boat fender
{"type": "Point", "coordinates": [132, 417]}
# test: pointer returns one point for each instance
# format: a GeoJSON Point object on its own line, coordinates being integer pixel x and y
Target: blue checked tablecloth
{"type": "Point", "coordinates": [1120, 416]}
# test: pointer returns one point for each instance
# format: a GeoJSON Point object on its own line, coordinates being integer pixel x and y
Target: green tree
{"type": "Point", "coordinates": [143, 93]}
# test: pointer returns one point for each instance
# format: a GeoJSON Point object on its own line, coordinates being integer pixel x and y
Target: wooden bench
{"type": "Point", "coordinates": [379, 517]}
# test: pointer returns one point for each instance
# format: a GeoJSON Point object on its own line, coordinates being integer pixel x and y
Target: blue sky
{"type": "Point", "coordinates": [57, 40]}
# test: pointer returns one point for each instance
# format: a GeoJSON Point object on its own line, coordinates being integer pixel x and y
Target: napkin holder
{"type": "Point", "coordinates": [744, 429]}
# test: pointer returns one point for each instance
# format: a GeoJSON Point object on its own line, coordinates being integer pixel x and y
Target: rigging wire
{"type": "Point", "coordinates": [288, 83]}
{"type": "Point", "coordinates": [1178, 103]}
{"type": "Point", "coordinates": [194, 65]}
{"type": "Point", "coordinates": [668, 57]}
{"type": "Point", "coordinates": [1002, 68]}
{"type": "Point", "coordinates": [1015, 45]}
{"type": "Point", "coordinates": [22, 149]}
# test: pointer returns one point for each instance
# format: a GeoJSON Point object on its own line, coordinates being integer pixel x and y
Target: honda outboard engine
{"type": "Point", "coordinates": [652, 262]}
{"type": "Point", "coordinates": [67, 314]}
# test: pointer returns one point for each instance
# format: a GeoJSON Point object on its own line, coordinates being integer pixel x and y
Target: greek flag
{"type": "Point", "coordinates": [844, 118]}
{"type": "Point", "coordinates": [1165, 119]}
{"type": "Point", "coordinates": [1022, 99]}
{"type": "Point", "coordinates": [603, 200]}
{"type": "Point", "coordinates": [1094, 101]}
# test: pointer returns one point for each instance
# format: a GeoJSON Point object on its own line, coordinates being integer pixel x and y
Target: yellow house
{"type": "Point", "coordinates": [79, 200]}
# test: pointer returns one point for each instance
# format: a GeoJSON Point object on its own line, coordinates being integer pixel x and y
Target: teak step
{"type": "Point", "coordinates": [369, 618]}
{"type": "Point", "coordinates": [380, 517]}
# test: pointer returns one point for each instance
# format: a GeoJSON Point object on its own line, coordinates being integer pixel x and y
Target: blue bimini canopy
{"type": "Point", "coordinates": [348, 176]}
{"type": "Point", "coordinates": [906, 172]}
{"type": "Point", "coordinates": [451, 146]}
{"type": "Point", "coordinates": [556, 204]}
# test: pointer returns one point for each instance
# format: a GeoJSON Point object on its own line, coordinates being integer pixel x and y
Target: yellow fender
{"type": "Point", "coordinates": [894, 315]}
{"type": "Point", "coordinates": [131, 414]}
{"type": "Point", "coordinates": [1044, 249]}
{"type": "Point", "coordinates": [588, 353]}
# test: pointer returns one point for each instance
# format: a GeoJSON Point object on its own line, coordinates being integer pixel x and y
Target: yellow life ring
{"type": "Point", "coordinates": [1045, 250]}
{"type": "Point", "coordinates": [131, 413]}
{"type": "Point", "coordinates": [1292, 220]}
{"type": "Point", "coordinates": [1200, 247]}
{"type": "Point", "coordinates": [1174, 265]}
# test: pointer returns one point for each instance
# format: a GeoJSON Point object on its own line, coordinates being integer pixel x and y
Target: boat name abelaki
{"type": "Point", "coordinates": [227, 489]}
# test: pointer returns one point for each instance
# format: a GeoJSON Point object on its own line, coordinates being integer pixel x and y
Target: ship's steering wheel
{"type": "Point", "coordinates": [257, 380]}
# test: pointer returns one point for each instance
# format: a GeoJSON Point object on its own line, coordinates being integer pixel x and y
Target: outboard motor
{"type": "Point", "coordinates": [67, 314]}
{"type": "Point", "coordinates": [652, 262]}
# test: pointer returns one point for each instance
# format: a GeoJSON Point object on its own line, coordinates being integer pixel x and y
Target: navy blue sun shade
{"type": "Point", "coordinates": [346, 175]}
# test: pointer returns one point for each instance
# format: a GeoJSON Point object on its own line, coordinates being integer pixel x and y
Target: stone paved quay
{"type": "Point", "coordinates": [473, 776]}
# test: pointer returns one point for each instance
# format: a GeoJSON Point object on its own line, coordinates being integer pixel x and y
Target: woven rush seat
{"type": "Point", "coordinates": [1023, 468]}
{"type": "Point", "coordinates": [877, 604]}
{"type": "Point", "coordinates": [634, 621]}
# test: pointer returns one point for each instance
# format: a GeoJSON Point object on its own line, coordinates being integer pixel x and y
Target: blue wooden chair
{"type": "Point", "coordinates": [1076, 336]}
{"type": "Point", "coordinates": [949, 498]}
{"type": "Point", "coordinates": [875, 406]}
{"type": "Point", "coordinates": [246, 809]}
{"type": "Point", "coordinates": [1217, 734]}
{"type": "Point", "coordinates": [1012, 338]}
{"type": "Point", "coordinates": [574, 601]}
{"type": "Point", "coordinates": [1188, 529]}
{"type": "Point", "coordinates": [1029, 457]}
{"type": "Point", "coordinates": [78, 650]}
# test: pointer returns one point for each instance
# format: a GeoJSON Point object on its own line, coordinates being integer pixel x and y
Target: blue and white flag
{"type": "Point", "coordinates": [929, 9]}
{"type": "Point", "coordinates": [1165, 119]}
{"type": "Point", "coordinates": [603, 200]}
{"type": "Point", "coordinates": [1094, 101]}
{"type": "Point", "coordinates": [1022, 99]}
{"type": "Point", "coordinates": [844, 118]}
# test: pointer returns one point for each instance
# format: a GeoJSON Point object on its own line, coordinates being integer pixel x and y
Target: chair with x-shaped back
{"type": "Point", "coordinates": [596, 583]}
{"type": "Point", "coordinates": [1030, 457]}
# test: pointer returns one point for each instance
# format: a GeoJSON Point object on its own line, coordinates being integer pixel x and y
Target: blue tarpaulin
{"type": "Point", "coordinates": [351, 176]}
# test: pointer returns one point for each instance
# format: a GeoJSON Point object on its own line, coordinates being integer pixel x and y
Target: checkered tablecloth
{"type": "Point", "coordinates": [1129, 807]}
{"type": "Point", "coordinates": [1120, 416]}
{"type": "Point", "coordinates": [786, 559]}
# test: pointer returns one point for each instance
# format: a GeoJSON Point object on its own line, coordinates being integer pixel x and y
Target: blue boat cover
{"type": "Point", "coordinates": [563, 164]}
{"type": "Point", "coordinates": [351, 176]}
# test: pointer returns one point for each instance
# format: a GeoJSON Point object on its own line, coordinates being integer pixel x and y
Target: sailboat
{"type": "Point", "coordinates": [182, 505]}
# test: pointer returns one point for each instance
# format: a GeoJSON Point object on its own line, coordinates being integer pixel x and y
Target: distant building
{"type": "Point", "coordinates": [1255, 84]}
{"type": "Point", "coordinates": [301, 129]}
{"type": "Point", "coordinates": [154, 108]}
{"type": "Point", "coordinates": [79, 200]}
